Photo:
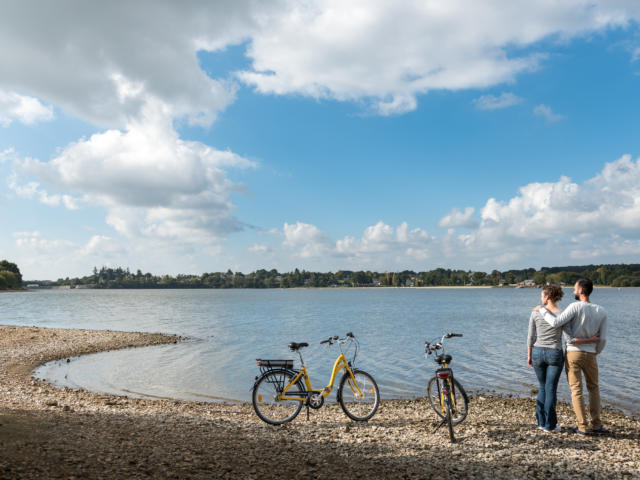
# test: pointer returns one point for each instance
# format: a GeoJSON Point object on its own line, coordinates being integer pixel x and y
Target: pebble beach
{"type": "Point", "coordinates": [49, 432]}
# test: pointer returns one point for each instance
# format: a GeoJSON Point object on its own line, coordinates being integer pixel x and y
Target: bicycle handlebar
{"type": "Point", "coordinates": [330, 340]}
{"type": "Point", "coordinates": [429, 346]}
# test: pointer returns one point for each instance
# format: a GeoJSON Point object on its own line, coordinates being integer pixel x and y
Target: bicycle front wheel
{"type": "Point", "coordinates": [360, 399]}
{"type": "Point", "coordinates": [265, 397]}
{"type": "Point", "coordinates": [459, 405]}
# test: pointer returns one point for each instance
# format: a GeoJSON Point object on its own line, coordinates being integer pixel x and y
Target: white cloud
{"type": "Point", "coordinates": [459, 219]}
{"type": "Point", "coordinates": [548, 222]}
{"type": "Point", "coordinates": [307, 240]}
{"type": "Point", "coordinates": [32, 189]}
{"type": "Point", "coordinates": [27, 110]}
{"type": "Point", "coordinates": [37, 244]}
{"type": "Point", "coordinates": [44, 258]}
{"type": "Point", "coordinates": [546, 112]}
{"type": "Point", "coordinates": [100, 61]}
{"type": "Point", "coordinates": [553, 223]}
{"type": "Point", "coordinates": [7, 155]}
{"type": "Point", "coordinates": [260, 248]}
{"type": "Point", "coordinates": [390, 53]}
{"type": "Point", "coordinates": [102, 247]}
{"type": "Point", "coordinates": [491, 102]}
{"type": "Point", "coordinates": [152, 183]}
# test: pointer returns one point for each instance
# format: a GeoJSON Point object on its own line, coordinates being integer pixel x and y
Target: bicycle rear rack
{"type": "Point", "coordinates": [266, 365]}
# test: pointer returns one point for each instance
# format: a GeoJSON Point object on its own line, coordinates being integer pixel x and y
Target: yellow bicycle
{"type": "Point", "coordinates": [280, 391]}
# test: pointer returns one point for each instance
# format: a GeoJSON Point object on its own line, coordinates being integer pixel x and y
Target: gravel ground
{"type": "Point", "coordinates": [48, 432]}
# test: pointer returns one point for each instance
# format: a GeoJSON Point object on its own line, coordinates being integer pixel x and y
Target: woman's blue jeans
{"type": "Point", "coordinates": [548, 363]}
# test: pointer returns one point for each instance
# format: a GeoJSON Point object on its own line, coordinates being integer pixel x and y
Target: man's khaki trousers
{"type": "Point", "coordinates": [577, 364]}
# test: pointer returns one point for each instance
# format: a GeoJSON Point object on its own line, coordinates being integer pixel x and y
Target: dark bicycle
{"type": "Point", "coordinates": [446, 395]}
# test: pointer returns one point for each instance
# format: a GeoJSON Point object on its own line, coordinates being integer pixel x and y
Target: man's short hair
{"type": "Point", "coordinates": [586, 285]}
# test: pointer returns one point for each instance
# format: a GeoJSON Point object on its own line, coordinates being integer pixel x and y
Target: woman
{"type": "Point", "coordinates": [545, 355]}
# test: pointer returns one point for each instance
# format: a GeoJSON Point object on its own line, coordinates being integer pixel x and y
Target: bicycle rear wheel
{"type": "Point", "coordinates": [359, 406]}
{"type": "Point", "coordinates": [265, 394]}
{"type": "Point", "coordinates": [459, 406]}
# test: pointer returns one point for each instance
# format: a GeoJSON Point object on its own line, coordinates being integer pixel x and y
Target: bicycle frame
{"type": "Point", "coordinates": [446, 388]}
{"type": "Point", "coordinates": [340, 363]}
{"type": "Point", "coordinates": [446, 385]}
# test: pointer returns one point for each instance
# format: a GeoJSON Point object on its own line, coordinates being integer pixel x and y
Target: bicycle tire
{"type": "Point", "coordinates": [461, 408]}
{"type": "Point", "coordinates": [449, 419]}
{"type": "Point", "coordinates": [356, 407]}
{"type": "Point", "coordinates": [265, 391]}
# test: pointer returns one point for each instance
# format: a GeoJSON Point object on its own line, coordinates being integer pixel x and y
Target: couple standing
{"type": "Point", "coordinates": [584, 325]}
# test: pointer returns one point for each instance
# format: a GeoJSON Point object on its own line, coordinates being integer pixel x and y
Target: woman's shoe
{"type": "Point", "coordinates": [600, 431]}
{"type": "Point", "coordinates": [557, 429]}
{"type": "Point", "coordinates": [579, 432]}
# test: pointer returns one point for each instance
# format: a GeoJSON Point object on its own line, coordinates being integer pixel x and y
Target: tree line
{"type": "Point", "coordinates": [620, 275]}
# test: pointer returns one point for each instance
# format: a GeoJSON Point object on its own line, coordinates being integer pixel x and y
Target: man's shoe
{"type": "Point", "coordinates": [600, 431]}
{"type": "Point", "coordinates": [577, 431]}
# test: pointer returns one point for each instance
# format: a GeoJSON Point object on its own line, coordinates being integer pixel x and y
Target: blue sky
{"type": "Point", "coordinates": [319, 136]}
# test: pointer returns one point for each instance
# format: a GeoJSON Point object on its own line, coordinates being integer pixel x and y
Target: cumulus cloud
{"type": "Point", "coordinates": [49, 257]}
{"type": "Point", "coordinates": [37, 244]}
{"type": "Point", "coordinates": [152, 183]}
{"type": "Point", "coordinates": [554, 221]}
{"type": "Point", "coordinates": [546, 112]}
{"type": "Point", "coordinates": [459, 219]}
{"type": "Point", "coordinates": [389, 53]}
{"type": "Point", "coordinates": [551, 223]}
{"type": "Point", "coordinates": [98, 61]}
{"type": "Point", "coordinates": [492, 102]}
{"type": "Point", "coordinates": [103, 247]}
{"type": "Point", "coordinates": [376, 244]}
{"type": "Point", "coordinates": [33, 189]}
{"type": "Point", "coordinates": [306, 240]}
{"type": "Point", "coordinates": [260, 248]}
{"type": "Point", "coordinates": [27, 110]}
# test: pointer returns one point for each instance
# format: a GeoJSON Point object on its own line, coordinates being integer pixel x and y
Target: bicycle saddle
{"type": "Point", "coordinates": [293, 346]}
{"type": "Point", "coordinates": [445, 359]}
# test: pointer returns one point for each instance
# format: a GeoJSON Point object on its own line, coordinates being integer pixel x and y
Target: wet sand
{"type": "Point", "coordinates": [48, 432]}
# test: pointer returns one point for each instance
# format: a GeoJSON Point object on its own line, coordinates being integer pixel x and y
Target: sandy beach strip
{"type": "Point", "coordinates": [48, 432]}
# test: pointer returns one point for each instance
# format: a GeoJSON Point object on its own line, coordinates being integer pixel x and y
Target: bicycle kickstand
{"type": "Point", "coordinates": [439, 425]}
{"type": "Point", "coordinates": [307, 411]}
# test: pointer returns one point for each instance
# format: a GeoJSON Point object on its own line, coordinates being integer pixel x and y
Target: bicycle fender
{"type": "Point", "coordinates": [341, 384]}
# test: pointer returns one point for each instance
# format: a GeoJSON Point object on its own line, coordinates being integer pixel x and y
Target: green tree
{"type": "Point", "coordinates": [10, 279]}
{"type": "Point", "coordinates": [13, 268]}
{"type": "Point", "coordinates": [540, 277]}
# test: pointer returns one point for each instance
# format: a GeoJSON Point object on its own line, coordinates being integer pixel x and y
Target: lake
{"type": "Point", "coordinates": [229, 329]}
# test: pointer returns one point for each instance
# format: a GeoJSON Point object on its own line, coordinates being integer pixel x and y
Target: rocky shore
{"type": "Point", "coordinates": [47, 432]}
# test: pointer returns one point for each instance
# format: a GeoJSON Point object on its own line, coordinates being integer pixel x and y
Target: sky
{"type": "Point", "coordinates": [192, 137]}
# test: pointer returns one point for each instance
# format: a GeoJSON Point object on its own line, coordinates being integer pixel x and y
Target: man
{"type": "Point", "coordinates": [582, 319]}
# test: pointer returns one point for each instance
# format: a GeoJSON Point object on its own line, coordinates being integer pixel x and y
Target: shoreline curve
{"type": "Point", "coordinates": [53, 432]}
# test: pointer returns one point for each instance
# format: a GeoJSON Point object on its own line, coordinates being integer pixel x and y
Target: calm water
{"type": "Point", "coordinates": [232, 328]}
